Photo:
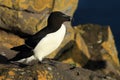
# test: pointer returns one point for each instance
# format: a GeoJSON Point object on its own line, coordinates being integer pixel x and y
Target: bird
{"type": "Point", "coordinates": [45, 41]}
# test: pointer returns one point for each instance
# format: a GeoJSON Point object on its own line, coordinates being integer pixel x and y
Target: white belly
{"type": "Point", "coordinates": [49, 43]}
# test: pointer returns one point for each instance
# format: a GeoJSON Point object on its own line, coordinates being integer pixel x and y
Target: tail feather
{"type": "Point", "coordinates": [23, 52]}
{"type": "Point", "coordinates": [21, 55]}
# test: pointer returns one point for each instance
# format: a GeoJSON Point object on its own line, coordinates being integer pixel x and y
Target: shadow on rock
{"type": "Point", "coordinates": [95, 65]}
{"type": "Point", "coordinates": [18, 32]}
{"type": "Point", "coordinates": [3, 59]}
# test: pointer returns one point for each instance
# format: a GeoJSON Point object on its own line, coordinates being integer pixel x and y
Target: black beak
{"type": "Point", "coordinates": [68, 18]}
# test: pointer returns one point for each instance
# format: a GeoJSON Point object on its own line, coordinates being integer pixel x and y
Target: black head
{"type": "Point", "coordinates": [58, 18]}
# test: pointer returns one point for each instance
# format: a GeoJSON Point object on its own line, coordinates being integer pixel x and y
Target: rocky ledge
{"type": "Point", "coordinates": [52, 70]}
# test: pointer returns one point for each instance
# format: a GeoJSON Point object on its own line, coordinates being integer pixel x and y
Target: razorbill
{"type": "Point", "coordinates": [45, 41]}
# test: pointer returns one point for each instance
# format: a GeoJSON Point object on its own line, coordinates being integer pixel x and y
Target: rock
{"type": "Point", "coordinates": [5, 54]}
{"type": "Point", "coordinates": [78, 52]}
{"type": "Point", "coordinates": [50, 72]}
{"type": "Point", "coordinates": [27, 16]}
{"type": "Point", "coordinates": [102, 43]}
{"type": "Point", "coordinates": [9, 40]}
{"type": "Point", "coordinates": [109, 46]}
{"type": "Point", "coordinates": [66, 6]}
{"type": "Point", "coordinates": [20, 21]}
{"type": "Point", "coordinates": [101, 47]}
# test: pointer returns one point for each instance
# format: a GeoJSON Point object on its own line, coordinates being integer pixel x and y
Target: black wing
{"type": "Point", "coordinates": [32, 41]}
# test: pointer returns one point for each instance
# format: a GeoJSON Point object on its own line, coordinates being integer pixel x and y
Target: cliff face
{"type": "Point", "coordinates": [88, 46]}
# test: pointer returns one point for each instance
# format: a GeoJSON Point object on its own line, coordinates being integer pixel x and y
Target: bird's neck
{"type": "Point", "coordinates": [55, 26]}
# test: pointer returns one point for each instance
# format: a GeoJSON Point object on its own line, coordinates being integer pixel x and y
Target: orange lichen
{"type": "Point", "coordinates": [6, 2]}
{"type": "Point", "coordinates": [9, 40]}
{"type": "Point", "coordinates": [44, 75]}
{"type": "Point", "coordinates": [2, 77]}
{"type": "Point", "coordinates": [39, 6]}
{"type": "Point", "coordinates": [41, 75]}
{"type": "Point", "coordinates": [65, 4]}
{"type": "Point", "coordinates": [36, 5]}
{"type": "Point", "coordinates": [11, 73]}
{"type": "Point", "coordinates": [108, 46]}
{"type": "Point", "coordinates": [8, 79]}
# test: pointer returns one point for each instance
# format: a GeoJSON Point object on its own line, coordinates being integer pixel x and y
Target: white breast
{"type": "Point", "coordinates": [49, 43]}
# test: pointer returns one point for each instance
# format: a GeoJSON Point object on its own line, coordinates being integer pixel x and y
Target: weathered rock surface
{"type": "Point", "coordinates": [101, 48]}
{"type": "Point", "coordinates": [50, 71]}
{"type": "Point", "coordinates": [100, 42]}
{"type": "Point", "coordinates": [9, 40]}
